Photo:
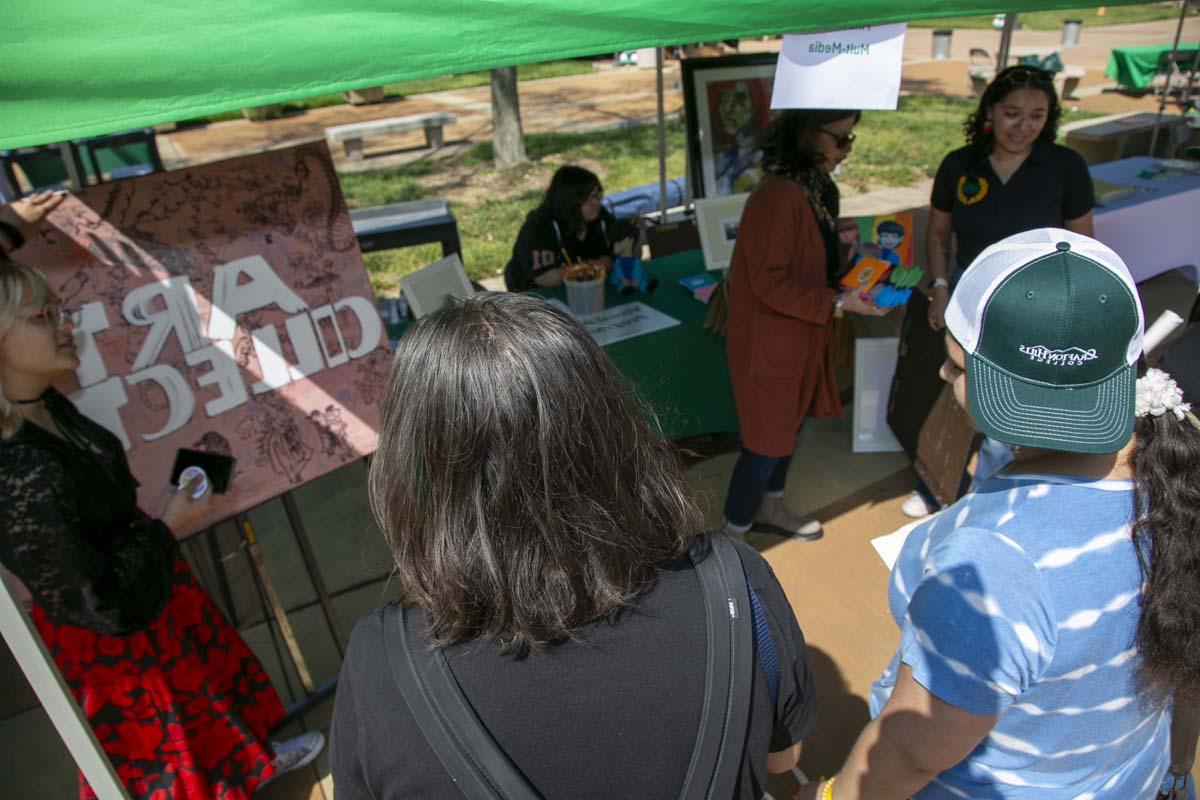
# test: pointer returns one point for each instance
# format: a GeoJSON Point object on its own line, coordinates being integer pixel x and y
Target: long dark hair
{"type": "Point", "coordinates": [789, 143]}
{"type": "Point", "coordinates": [1166, 532]}
{"type": "Point", "coordinates": [518, 483]}
{"type": "Point", "coordinates": [1006, 82]}
{"type": "Point", "coordinates": [569, 189]}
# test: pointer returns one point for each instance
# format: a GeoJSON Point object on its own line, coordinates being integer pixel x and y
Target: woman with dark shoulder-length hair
{"type": "Point", "coordinates": [783, 298]}
{"type": "Point", "coordinates": [570, 225]}
{"type": "Point", "coordinates": [541, 530]}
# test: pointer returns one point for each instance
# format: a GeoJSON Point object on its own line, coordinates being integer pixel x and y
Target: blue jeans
{"type": "Point", "coordinates": [753, 476]}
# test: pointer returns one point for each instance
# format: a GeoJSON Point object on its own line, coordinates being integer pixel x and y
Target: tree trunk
{"type": "Point", "coordinates": [508, 141]}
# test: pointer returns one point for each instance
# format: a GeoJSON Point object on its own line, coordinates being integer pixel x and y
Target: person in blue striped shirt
{"type": "Point", "coordinates": [1045, 627]}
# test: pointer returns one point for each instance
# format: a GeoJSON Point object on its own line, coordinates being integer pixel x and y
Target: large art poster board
{"type": "Point", "coordinates": [223, 308]}
{"type": "Point", "coordinates": [727, 103]}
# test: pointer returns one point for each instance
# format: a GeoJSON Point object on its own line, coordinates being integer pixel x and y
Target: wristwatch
{"type": "Point", "coordinates": [941, 282]}
{"type": "Point", "coordinates": [838, 303]}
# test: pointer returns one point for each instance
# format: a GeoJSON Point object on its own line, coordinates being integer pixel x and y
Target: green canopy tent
{"type": "Point", "coordinates": [72, 69]}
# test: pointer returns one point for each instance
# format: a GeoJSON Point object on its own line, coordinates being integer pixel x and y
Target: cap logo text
{"type": "Point", "coordinates": [1071, 357]}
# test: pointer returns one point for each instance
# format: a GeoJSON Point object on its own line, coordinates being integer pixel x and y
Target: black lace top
{"type": "Point", "coordinates": [70, 528]}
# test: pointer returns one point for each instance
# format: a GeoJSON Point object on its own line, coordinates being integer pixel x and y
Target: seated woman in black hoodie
{"type": "Point", "coordinates": [570, 225]}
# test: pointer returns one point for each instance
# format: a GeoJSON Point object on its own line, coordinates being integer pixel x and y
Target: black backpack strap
{"type": "Point", "coordinates": [717, 758]}
{"type": "Point", "coordinates": [480, 769]}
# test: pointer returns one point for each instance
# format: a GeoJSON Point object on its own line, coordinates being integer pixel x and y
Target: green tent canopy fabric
{"type": "Point", "coordinates": [70, 68]}
{"type": "Point", "coordinates": [1135, 67]}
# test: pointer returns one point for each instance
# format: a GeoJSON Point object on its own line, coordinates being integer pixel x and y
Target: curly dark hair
{"type": "Point", "coordinates": [520, 488]}
{"type": "Point", "coordinates": [1166, 532]}
{"type": "Point", "coordinates": [788, 144]}
{"type": "Point", "coordinates": [1006, 82]}
{"type": "Point", "coordinates": [569, 189]}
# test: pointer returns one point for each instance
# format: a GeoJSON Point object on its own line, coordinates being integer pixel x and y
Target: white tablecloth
{"type": "Point", "coordinates": [1156, 228]}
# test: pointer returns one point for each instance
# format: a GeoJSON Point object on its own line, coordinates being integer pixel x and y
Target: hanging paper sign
{"type": "Point", "coordinates": [857, 68]}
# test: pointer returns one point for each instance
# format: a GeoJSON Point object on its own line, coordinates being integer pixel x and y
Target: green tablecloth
{"type": "Point", "coordinates": [681, 372]}
{"type": "Point", "coordinates": [1135, 67]}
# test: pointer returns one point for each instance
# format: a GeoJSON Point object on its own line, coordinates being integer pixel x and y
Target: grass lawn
{"type": "Point", "coordinates": [442, 83]}
{"type": "Point", "coordinates": [893, 149]}
{"type": "Point", "coordinates": [1053, 20]}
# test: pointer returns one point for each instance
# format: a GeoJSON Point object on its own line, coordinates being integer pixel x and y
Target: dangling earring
{"type": "Point", "coordinates": [987, 127]}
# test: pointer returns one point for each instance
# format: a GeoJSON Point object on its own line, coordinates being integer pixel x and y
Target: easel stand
{"type": "Point", "coordinates": [273, 608]}
{"type": "Point", "coordinates": [35, 661]}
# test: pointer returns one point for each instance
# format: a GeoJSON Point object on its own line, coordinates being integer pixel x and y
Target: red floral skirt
{"type": "Point", "coordinates": [181, 708]}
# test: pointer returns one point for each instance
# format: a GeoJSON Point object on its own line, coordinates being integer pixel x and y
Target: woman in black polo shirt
{"type": "Point", "coordinates": [1010, 177]}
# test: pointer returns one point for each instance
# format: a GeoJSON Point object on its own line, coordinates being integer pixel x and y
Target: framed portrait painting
{"type": "Point", "coordinates": [727, 103]}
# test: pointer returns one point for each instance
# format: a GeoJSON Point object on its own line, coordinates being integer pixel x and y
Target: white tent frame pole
{"type": "Point", "coordinates": [1166, 92]}
{"type": "Point", "coordinates": [35, 661]}
{"type": "Point", "coordinates": [662, 138]}
{"type": "Point", "coordinates": [1010, 25]}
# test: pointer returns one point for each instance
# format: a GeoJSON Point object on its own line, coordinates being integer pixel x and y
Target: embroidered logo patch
{"type": "Point", "coordinates": [1071, 357]}
{"type": "Point", "coordinates": [971, 190]}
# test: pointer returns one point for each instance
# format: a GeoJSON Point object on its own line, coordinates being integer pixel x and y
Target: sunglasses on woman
{"type": "Point", "coordinates": [842, 140]}
{"type": "Point", "coordinates": [1022, 76]}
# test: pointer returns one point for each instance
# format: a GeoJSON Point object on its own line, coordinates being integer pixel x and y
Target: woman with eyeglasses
{"type": "Point", "coordinates": [1010, 177]}
{"type": "Point", "coordinates": [177, 701]}
{"type": "Point", "coordinates": [783, 298]}
{"type": "Point", "coordinates": [570, 226]}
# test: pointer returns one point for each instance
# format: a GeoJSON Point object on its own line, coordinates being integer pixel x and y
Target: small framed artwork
{"type": "Point", "coordinates": [427, 289]}
{"type": "Point", "coordinates": [718, 219]}
{"type": "Point", "coordinates": [727, 105]}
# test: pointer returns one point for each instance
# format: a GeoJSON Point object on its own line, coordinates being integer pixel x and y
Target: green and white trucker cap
{"type": "Point", "coordinates": [1052, 329]}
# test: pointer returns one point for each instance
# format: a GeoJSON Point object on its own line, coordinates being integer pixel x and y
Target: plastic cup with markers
{"type": "Point", "coordinates": [584, 282]}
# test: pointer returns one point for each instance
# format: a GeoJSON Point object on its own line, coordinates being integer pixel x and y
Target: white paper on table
{"type": "Point", "coordinates": [626, 321]}
{"type": "Point", "coordinates": [857, 68]}
{"type": "Point", "coordinates": [888, 546]}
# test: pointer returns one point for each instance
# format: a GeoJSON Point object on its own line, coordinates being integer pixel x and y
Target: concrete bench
{"type": "Point", "coordinates": [352, 135]}
{"type": "Point", "coordinates": [1066, 81]}
{"type": "Point", "coordinates": [405, 225]}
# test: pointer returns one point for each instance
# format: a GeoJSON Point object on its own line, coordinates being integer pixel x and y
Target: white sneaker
{"type": "Point", "coordinates": [916, 507]}
{"type": "Point", "coordinates": [295, 753]}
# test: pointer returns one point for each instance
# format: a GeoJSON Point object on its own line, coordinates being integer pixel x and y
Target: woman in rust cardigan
{"type": "Point", "coordinates": [783, 299]}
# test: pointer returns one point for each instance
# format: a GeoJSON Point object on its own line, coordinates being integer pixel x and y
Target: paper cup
{"type": "Point", "coordinates": [585, 297]}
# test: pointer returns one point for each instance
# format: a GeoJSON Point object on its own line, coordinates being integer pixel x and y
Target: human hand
{"type": "Point", "coordinates": [550, 278]}
{"type": "Point", "coordinates": [624, 248]}
{"type": "Point", "coordinates": [27, 213]}
{"type": "Point", "coordinates": [181, 510]}
{"type": "Point", "coordinates": [938, 300]}
{"type": "Point", "coordinates": [853, 303]}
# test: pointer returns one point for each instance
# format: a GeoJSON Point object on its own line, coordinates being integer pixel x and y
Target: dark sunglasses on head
{"type": "Point", "coordinates": [1022, 76]}
{"type": "Point", "coordinates": [842, 140]}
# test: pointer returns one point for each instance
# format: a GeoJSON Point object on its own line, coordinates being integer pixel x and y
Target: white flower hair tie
{"type": "Point", "coordinates": [1158, 393]}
